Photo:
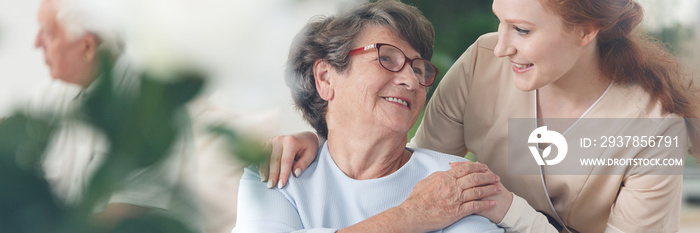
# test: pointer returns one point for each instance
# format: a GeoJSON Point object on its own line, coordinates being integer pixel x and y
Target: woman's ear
{"type": "Point", "coordinates": [589, 33]}
{"type": "Point", "coordinates": [322, 74]}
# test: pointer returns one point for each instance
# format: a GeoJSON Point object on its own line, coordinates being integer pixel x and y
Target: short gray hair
{"type": "Point", "coordinates": [79, 17]}
{"type": "Point", "coordinates": [331, 39]}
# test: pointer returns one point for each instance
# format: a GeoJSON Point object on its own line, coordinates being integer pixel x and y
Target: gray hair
{"type": "Point", "coordinates": [79, 17]}
{"type": "Point", "coordinates": [331, 39]}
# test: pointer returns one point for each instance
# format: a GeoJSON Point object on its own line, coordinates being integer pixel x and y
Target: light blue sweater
{"type": "Point", "coordinates": [324, 199]}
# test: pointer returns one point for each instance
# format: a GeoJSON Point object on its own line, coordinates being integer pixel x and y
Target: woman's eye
{"type": "Point", "coordinates": [521, 31]}
{"type": "Point", "coordinates": [418, 71]}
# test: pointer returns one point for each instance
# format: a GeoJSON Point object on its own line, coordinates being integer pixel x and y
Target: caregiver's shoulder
{"type": "Point", "coordinates": [487, 41]}
{"type": "Point", "coordinates": [427, 156]}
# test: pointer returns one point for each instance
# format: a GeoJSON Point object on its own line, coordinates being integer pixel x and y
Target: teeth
{"type": "Point", "coordinates": [397, 100]}
{"type": "Point", "coordinates": [519, 66]}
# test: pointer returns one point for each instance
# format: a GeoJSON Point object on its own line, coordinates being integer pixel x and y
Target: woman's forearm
{"type": "Point", "coordinates": [395, 219]}
{"type": "Point", "coordinates": [521, 217]}
{"type": "Point", "coordinates": [437, 201]}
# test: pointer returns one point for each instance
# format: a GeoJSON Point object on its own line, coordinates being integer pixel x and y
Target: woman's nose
{"type": "Point", "coordinates": [503, 47]}
{"type": "Point", "coordinates": [406, 77]}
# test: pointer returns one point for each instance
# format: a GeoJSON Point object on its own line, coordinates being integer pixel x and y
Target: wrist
{"type": "Point", "coordinates": [504, 212]}
{"type": "Point", "coordinates": [503, 208]}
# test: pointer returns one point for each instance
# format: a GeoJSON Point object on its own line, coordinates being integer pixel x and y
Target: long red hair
{"type": "Point", "coordinates": [629, 56]}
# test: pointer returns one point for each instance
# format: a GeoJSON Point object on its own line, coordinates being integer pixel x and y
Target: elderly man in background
{"type": "Point", "coordinates": [70, 54]}
{"type": "Point", "coordinates": [70, 40]}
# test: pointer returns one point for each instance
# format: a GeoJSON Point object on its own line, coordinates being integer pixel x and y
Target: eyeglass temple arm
{"type": "Point", "coordinates": [359, 50]}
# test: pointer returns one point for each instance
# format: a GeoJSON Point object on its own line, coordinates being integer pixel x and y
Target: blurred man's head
{"type": "Point", "coordinates": [70, 54]}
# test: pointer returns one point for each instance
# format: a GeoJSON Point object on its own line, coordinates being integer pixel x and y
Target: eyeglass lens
{"type": "Point", "coordinates": [393, 59]}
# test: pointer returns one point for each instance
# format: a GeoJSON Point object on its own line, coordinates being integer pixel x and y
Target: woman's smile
{"type": "Point", "coordinates": [399, 101]}
{"type": "Point", "coordinates": [521, 68]}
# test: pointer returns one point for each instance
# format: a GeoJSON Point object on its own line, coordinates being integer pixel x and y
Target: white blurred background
{"type": "Point", "coordinates": [242, 44]}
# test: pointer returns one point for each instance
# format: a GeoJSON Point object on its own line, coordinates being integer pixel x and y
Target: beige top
{"type": "Point", "coordinates": [469, 112]}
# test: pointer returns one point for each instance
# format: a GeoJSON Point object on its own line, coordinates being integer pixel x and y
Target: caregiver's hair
{"type": "Point", "coordinates": [629, 56]}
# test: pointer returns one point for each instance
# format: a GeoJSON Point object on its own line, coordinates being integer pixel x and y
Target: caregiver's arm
{"type": "Point", "coordinates": [289, 153]}
{"type": "Point", "coordinates": [443, 130]}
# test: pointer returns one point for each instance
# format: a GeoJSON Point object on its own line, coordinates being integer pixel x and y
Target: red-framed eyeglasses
{"type": "Point", "coordinates": [393, 59]}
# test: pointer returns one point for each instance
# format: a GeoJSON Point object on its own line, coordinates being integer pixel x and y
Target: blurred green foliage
{"type": "Point", "coordinates": [246, 149]}
{"type": "Point", "coordinates": [140, 127]}
{"type": "Point", "coordinates": [457, 23]}
{"type": "Point", "coordinates": [673, 37]}
{"type": "Point", "coordinates": [24, 198]}
{"type": "Point", "coordinates": [150, 224]}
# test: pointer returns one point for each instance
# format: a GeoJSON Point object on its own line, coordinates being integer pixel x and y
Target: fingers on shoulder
{"type": "Point", "coordinates": [466, 168]}
{"type": "Point", "coordinates": [478, 193]}
{"type": "Point", "coordinates": [472, 207]}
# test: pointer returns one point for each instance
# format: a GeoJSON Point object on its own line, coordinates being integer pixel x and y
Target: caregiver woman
{"type": "Point", "coordinates": [557, 59]}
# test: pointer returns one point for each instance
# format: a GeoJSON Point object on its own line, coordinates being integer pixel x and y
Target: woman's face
{"type": "Point", "coordinates": [535, 41]}
{"type": "Point", "coordinates": [369, 97]}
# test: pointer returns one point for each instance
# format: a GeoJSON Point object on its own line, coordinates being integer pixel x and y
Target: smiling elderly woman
{"type": "Point", "coordinates": [360, 79]}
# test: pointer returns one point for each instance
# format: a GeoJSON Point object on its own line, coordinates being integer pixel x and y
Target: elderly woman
{"type": "Point", "coordinates": [360, 80]}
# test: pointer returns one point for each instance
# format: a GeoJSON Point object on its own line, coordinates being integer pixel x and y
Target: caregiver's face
{"type": "Point", "coordinates": [373, 96]}
{"type": "Point", "coordinates": [535, 41]}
